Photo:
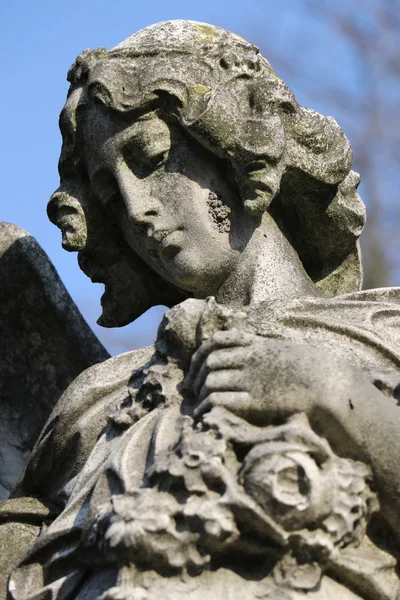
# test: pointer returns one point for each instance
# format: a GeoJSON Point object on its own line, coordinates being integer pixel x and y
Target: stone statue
{"type": "Point", "coordinates": [252, 451]}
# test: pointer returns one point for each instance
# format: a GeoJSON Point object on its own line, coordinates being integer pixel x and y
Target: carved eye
{"type": "Point", "coordinates": [99, 93]}
{"type": "Point", "coordinates": [142, 162]}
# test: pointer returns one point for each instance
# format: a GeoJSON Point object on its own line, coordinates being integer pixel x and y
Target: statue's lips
{"type": "Point", "coordinates": [161, 234]}
{"type": "Point", "coordinates": [170, 241]}
{"type": "Point", "coordinates": [166, 236]}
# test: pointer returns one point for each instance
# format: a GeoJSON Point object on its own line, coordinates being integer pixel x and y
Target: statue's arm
{"type": "Point", "coordinates": [265, 380]}
{"type": "Point", "coordinates": [361, 422]}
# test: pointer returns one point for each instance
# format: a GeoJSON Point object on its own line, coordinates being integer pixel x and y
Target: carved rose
{"type": "Point", "coordinates": [319, 501]}
{"type": "Point", "coordinates": [301, 484]}
{"type": "Point", "coordinates": [288, 484]}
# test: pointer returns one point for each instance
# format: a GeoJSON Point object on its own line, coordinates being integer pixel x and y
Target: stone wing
{"type": "Point", "coordinates": [44, 344]}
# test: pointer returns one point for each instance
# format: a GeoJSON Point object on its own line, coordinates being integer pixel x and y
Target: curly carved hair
{"type": "Point", "coordinates": [284, 158]}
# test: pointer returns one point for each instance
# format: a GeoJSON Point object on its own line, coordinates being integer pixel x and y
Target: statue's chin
{"type": "Point", "coordinates": [109, 321]}
{"type": "Point", "coordinates": [117, 312]}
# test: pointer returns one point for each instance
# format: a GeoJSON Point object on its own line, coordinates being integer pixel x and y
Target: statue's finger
{"type": "Point", "coordinates": [226, 358]}
{"type": "Point", "coordinates": [220, 339]}
{"type": "Point", "coordinates": [235, 402]}
{"type": "Point", "coordinates": [221, 381]}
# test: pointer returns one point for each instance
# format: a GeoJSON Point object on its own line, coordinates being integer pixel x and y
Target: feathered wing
{"type": "Point", "coordinates": [44, 344]}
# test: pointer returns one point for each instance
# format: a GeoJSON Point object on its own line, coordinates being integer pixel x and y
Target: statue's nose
{"type": "Point", "coordinates": [141, 205]}
{"type": "Point", "coordinates": [67, 214]}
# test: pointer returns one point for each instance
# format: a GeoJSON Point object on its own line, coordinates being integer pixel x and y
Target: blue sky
{"type": "Point", "coordinates": [40, 39]}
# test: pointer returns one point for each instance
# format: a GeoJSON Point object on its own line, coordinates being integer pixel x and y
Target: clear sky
{"type": "Point", "coordinates": [39, 40]}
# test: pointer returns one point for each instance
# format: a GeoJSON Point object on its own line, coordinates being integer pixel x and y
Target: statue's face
{"type": "Point", "coordinates": [156, 186]}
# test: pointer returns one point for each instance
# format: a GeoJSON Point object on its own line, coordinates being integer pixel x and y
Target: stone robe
{"type": "Point", "coordinates": [96, 442]}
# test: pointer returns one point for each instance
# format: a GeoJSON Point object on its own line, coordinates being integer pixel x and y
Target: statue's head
{"type": "Point", "coordinates": [175, 143]}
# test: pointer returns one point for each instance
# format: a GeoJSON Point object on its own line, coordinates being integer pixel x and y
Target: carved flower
{"type": "Point", "coordinates": [287, 483]}
{"type": "Point", "coordinates": [142, 527]}
{"type": "Point", "coordinates": [290, 488]}
{"type": "Point", "coordinates": [153, 529]}
{"type": "Point", "coordinates": [316, 500]}
{"type": "Point", "coordinates": [195, 454]}
{"type": "Point", "coordinates": [303, 488]}
{"type": "Point", "coordinates": [214, 521]}
{"type": "Point", "coordinates": [322, 501]}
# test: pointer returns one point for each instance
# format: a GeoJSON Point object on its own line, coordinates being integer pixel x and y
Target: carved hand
{"type": "Point", "coordinates": [254, 377]}
{"type": "Point", "coordinates": [260, 379]}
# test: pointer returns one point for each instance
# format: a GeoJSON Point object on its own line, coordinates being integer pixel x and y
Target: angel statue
{"type": "Point", "coordinates": [252, 451]}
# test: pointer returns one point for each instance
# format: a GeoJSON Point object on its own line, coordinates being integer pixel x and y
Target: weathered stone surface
{"type": "Point", "coordinates": [44, 344]}
{"type": "Point", "coordinates": [252, 452]}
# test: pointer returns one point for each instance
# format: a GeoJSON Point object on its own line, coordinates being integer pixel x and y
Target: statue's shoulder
{"type": "Point", "coordinates": [99, 382]}
{"type": "Point", "coordinates": [381, 295]}
{"type": "Point", "coordinates": [77, 421]}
